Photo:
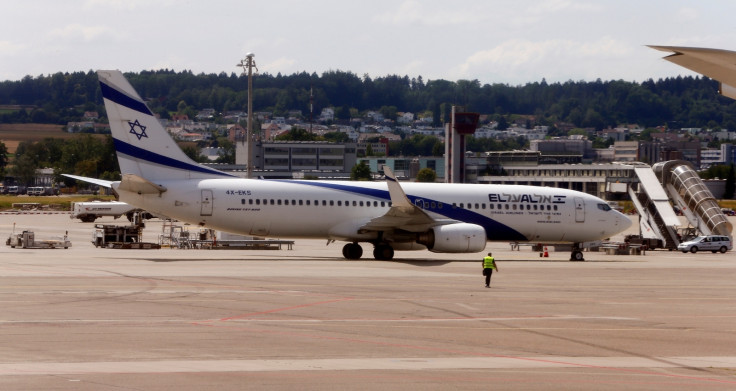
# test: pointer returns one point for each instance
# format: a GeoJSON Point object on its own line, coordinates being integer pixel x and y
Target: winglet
{"type": "Point", "coordinates": [398, 196]}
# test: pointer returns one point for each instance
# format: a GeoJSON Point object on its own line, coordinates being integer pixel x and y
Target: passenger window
{"type": "Point", "coordinates": [250, 201]}
{"type": "Point", "coordinates": [433, 205]}
{"type": "Point", "coordinates": [258, 202]}
{"type": "Point", "coordinates": [490, 206]}
{"type": "Point", "coordinates": [242, 201]}
{"type": "Point", "coordinates": [271, 201]}
{"type": "Point", "coordinates": [279, 202]}
{"type": "Point", "coordinates": [339, 203]}
{"type": "Point", "coordinates": [307, 202]}
{"type": "Point", "coordinates": [555, 207]}
{"type": "Point", "coordinates": [383, 204]}
{"type": "Point", "coordinates": [506, 206]}
{"type": "Point", "coordinates": [361, 203]}
{"type": "Point", "coordinates": [483, 206]}
{"type": "Point", "coordinates": [514, 207]}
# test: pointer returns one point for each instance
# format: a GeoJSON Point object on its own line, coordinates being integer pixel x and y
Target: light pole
{"type": "Point", "coordinates": [248, 64]}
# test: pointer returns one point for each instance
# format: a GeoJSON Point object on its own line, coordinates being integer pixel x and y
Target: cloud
{"type": "Point", "coordinates": [128, 5]}
{"type": "Point", "coordinates": [414, 12]}
{"type": "Point", "coordinates": [8, 48]}
{"type": "Point", "coordinates": [519, 59]}
{"type": "Point", "coordinates": [687, 14]}
{"type": "Point", "coordinates": [283, 65]}
{"type": "Point", "coordinates": [83, 32]}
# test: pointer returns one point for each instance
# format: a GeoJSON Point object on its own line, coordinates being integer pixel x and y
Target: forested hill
{"type": "Point", "coordinates": [686, 101]}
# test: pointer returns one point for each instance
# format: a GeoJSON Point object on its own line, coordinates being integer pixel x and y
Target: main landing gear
{"type": "Point", "coordinates": [577, 253]}
{"type": "Point", "coordinates": [381, 251]}
{"type": "Point", "coordinates": [352, 251]}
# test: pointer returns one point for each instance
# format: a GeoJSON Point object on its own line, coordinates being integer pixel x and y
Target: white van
{"type": "Point", "coordinates": [711, 243]}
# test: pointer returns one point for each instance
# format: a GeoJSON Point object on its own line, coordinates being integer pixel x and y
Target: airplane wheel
{"type": "Point", "coordinates": [383, 252]}
{"type": "Point", "coordinates": [352, 251]}
{"type": "Point", "coordinates": [577, 256]}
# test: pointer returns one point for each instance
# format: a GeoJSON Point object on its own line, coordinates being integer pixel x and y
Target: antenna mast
{"type": "Point", "coordinates": [248, 64]}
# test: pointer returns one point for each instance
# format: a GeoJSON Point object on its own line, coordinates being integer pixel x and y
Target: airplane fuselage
{"type": "Point", "coordinates": [336, 210]}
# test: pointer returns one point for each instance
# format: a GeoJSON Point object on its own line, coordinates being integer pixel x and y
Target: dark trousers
{"type": "Point", "coordinates": [487, 272]}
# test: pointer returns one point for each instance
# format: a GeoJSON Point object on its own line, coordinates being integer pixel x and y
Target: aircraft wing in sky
{"type": "Point", "coordinates": [717, 64]}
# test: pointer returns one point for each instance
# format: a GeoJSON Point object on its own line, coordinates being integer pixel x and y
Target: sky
{"type": "Point", "coordinates": [494, 41]}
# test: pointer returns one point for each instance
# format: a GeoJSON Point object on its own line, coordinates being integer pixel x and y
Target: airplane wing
{"type": "Point", "coordinates": [715, 63]}
{"type": "Point", "coordinates": [403, 214]}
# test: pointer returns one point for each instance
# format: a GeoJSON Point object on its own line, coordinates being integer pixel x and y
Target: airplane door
{"type": "Point", "coordinates": [579, 210]}
{"type": "Point", "coordinates": [206, 209]}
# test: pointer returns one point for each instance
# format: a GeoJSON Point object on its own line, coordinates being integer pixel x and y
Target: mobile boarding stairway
{"type": "Point", "coordinates": [678, 181]}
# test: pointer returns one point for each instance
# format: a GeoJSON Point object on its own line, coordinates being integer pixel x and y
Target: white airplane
{"type": "Point", "coordinates": [444, 218]}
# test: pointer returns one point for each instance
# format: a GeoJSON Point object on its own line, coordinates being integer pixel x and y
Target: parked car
{"type": "Point", "coordinates": [711, 243]}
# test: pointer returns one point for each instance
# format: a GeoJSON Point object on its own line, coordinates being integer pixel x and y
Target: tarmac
{"type": "Point", "coordinates": [89, 318]}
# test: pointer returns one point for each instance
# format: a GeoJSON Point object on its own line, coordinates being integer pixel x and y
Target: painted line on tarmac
{"type": "Point", "coordinates": [357, 364]}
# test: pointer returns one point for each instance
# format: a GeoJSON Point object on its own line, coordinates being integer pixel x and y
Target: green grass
{"type": "Point", "coordinates": [62, 202]}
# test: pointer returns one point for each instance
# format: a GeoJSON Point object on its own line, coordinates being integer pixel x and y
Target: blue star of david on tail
{"type": "Point", "coordinates": [135, 124]}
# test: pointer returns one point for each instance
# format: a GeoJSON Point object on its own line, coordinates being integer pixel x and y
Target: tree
{"type": "Point", "coordinates": [426, 175]}
{"type": "Point", "coordinates": [361, 172]}
{"type": "Point", "coordinates": [228, 151]}
{"type": "Point", "coordinates": [336, 137]}
{"type": "Point", "coordinates": [193, 153]}
{"type": "Point", "coordinates": [502, 123]}
{"type": "Point", "coordinates": [297, 134]}
{"type": "Point", "coordinates": [3, 156]}
{"type": "Point", "coordinates": [24, 170]}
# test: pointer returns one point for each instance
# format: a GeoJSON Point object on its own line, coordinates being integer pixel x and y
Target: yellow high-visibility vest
{"type": "Point", "coordinates": [489, 263]}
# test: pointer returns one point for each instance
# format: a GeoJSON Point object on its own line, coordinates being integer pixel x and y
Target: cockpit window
{"type": "Point", "coordinates": [604, 207]}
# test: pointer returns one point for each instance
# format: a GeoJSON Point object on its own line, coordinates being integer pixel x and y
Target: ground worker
{"type": "Point", "coordinates": [489, 264]}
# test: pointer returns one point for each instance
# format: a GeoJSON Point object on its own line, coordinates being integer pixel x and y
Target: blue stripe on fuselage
{"type": "Point", "coordinates": [494, 229]}
{"type": "Point", "coordinates": [152, 157]}
{"type": "Point", "coordinates": [123, 100]}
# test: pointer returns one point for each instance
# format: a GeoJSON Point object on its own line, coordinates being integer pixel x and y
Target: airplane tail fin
{"type": "Point", "coordinates": [143, 146]}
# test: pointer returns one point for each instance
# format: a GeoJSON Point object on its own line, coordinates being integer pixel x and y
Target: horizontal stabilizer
{"type": "Point", "coordinates": [99, 182]}
{"type": "Point", "coordinates": [135, 184]}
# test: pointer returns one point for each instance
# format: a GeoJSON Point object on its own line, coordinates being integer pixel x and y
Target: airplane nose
{"type": "Point", "coordinates": [624, 222]}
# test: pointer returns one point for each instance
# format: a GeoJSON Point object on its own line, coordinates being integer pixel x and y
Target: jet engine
{"type": "Point", "coordinates": [454, 238]}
